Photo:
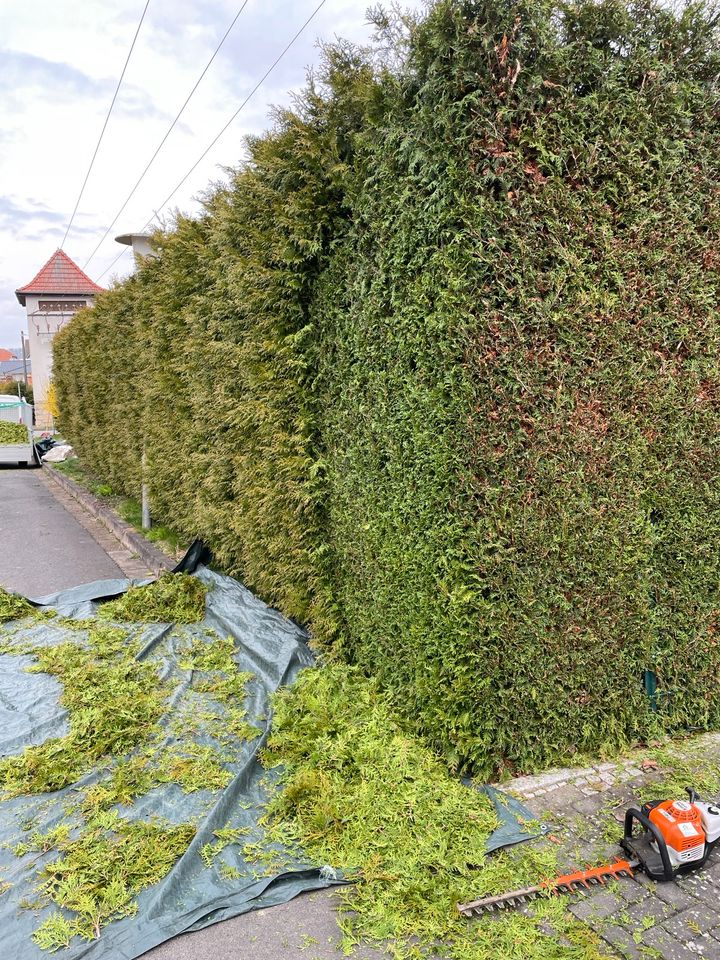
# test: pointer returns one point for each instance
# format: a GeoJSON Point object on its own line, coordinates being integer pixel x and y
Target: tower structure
{"type": "Point", "coordinates": [51, 298]}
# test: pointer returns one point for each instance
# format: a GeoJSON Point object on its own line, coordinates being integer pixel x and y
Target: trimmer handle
{"type": "Point", "coordinates": [634, 814]}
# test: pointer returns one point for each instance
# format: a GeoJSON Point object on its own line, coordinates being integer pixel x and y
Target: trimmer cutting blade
{"type": "Point", "coordinates": [675, 837]}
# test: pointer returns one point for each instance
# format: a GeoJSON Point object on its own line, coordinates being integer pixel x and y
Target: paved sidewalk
{"type": "Point", "coordinates": [44, 547]}
{"type": "Point", "coordinates": [302, 929]}
{"type": "Point", "coordinates": [636, 918]}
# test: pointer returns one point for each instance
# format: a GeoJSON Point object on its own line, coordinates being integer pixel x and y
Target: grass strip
{"type": "Point", "coordinates": [128, 508]}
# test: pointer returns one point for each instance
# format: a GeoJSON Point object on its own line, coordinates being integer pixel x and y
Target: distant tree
{"type": "Point", "coordinates": [11, 386]}
{"type": "Point", "coordinates": [52, 401]}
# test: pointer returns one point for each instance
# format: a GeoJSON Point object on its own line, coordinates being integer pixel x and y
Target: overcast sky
{"type": "Point", "coordinates": [60, 61]}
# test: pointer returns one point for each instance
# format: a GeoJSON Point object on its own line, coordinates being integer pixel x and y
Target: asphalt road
{"type": "Point", "coordinates": [44, 549]}
{"type": "Point", "coordinates": [303, 929]}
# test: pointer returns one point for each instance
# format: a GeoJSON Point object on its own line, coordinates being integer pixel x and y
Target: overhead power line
{"type": "Point", "coordinates": [167, 132]}
{"type": "Point", "coordinates": [104, 126]}
{"type": "Point", "coordinates": [108, 269]}
{"type": "Point", "coordinates": [244, 103]}
{"type": "Point", "coordinates": [229, 122]}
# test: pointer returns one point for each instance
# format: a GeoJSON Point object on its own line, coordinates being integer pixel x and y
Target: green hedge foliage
{"type": "Point", "coordinates": [437, 372]}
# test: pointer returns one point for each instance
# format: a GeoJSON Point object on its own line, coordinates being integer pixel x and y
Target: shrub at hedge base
{"type": "Point", "coordinates": [437, 372]}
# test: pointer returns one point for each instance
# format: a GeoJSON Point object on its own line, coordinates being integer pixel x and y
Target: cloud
{"type": "Point", "coordinates": [29, 219]}
{"type": "Point", "coordinates": [136, 103]}
{"type": "Point", "coordinates": [193, 20]}
{"type": "Point", "coordinates": [23, 71]}
{"type": "Point", "coordinates": [26, 210]}
{"type": "Point", "coordinates": [14, 135]}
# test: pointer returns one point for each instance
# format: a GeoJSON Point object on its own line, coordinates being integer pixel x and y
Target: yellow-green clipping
{"type": "Point", "coordinates": [13, 432]}
{"type": "Point", "coordinates": [173, 598]}
{"type": "Point", "coordinates": [13, 607]}
{"type": "Point", "coordinates": [358, 791]}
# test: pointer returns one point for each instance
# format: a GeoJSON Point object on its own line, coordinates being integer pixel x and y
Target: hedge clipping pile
{"type": "Point", "coordinates": [13, 432]}
{"type": "Point", "coordinates": [13, 606]}
{"type": "Point", "coordinates": [437, 372]}
{"type": "Point", "coordinates": [419, 848]}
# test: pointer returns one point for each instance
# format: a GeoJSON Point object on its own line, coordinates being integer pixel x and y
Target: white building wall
{"type": "Point", "coordinates": [42, 328]}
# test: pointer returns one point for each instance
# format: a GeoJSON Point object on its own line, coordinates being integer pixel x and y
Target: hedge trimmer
{"type": "Point", "coordinates": [674, 837]}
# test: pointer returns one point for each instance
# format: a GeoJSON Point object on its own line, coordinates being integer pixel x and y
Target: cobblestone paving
{"type": "Point", "coordinates": [636, 918]}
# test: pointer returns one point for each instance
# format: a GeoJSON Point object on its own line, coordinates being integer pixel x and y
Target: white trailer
{"type": "Point", "coordinates": [15, 410]}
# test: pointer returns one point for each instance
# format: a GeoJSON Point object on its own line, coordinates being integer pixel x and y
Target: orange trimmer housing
{"type": "Point", "coordinates": [676, 836]}
{"type": "Point", "coordinates": [681, 825]}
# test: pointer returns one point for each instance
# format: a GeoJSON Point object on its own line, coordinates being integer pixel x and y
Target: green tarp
{"type": "Point", "coordinates": [192, 895]}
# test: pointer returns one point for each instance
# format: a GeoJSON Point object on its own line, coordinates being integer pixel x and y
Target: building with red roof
{"type": "Point", "coordinates": [60, 277]}
{"type": "Point", "coordinates": [51, 298]}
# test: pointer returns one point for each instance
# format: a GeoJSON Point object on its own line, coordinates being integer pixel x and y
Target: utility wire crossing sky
{"type": "Point", "coordinates": [104, 126]}
{"type": "Point", "coordinates": [167, 133]}
{"type": "Point", "coordinates": [88, 90]}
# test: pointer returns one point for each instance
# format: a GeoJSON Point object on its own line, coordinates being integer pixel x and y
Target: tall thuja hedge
{"type": "Point", "coordinates": [437, 372]}
{"type": "Point", "coordinates": [221, 340]}
{"type": "Point", "coordinates": [272, 236]}
{"type": "Point", "coordinates": [594, 446]}
{"type": "Point", "coordinates": [178, 428]}
{"type": "Point", "coordinates": [98, 365]}
{"type": "Point", "coordinates": [520, 353]}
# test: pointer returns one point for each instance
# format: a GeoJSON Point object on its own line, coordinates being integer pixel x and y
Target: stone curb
{"type": "Point", "coordinates": [588, 780]}
{"type": "Point", "coordinates": [151, 556]}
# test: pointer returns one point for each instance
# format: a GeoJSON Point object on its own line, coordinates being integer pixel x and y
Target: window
{"type": "Point", "coordinates": [61, 306]}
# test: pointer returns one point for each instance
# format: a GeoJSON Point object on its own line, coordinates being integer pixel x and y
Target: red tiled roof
{"type": "Point", "coordinates": [59, 275]}
{"type": "Point", "coordinates": [6, 355]}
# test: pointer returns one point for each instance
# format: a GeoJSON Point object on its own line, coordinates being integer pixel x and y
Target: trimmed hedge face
{"type": "Point", "coordinates": [438, 373]}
